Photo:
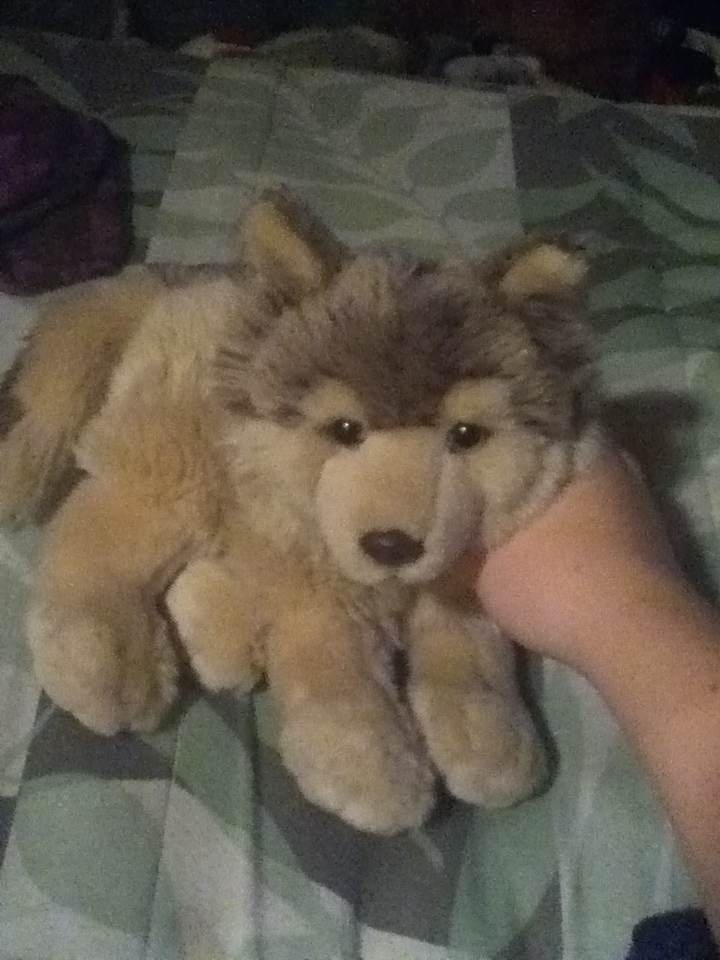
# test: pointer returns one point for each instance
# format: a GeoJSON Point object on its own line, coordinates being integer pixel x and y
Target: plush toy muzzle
{"type": "Point", "coordinates": [400, 504]}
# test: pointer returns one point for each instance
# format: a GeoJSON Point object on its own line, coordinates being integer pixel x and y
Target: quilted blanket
{"type": "Point", "coordinates": [193, 842]}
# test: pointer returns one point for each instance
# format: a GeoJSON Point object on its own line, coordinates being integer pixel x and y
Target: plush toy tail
{"type": "Point", "coordinates": [58, 382]}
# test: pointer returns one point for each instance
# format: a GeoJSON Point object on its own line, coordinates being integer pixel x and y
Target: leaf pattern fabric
{"type": "Point", "coordinates": [193, 842]}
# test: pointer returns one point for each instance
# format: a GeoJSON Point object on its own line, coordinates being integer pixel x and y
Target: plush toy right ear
{"type": "Point", "coordinates": [289, 246]}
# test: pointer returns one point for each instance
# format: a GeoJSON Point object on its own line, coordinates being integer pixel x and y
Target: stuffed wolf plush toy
{"type": "Point", "coordinates": [281, 460]}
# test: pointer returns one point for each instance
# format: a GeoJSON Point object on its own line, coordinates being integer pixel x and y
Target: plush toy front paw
{"type": "Point", "coordinates": [359, 763]}
{"type": "Point", "coordinates": [113, 672]}
{"type": "Point", "coordinates": [215, 622]}
{"type": "Point", "coordinates": [484, 744]}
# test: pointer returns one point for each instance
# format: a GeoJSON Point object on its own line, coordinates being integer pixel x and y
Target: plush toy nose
{"type": "Point", "coordinates": [391, 548]}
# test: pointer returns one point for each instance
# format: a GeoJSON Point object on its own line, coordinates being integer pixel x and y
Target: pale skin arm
{"type": "Point", "coordinates": [592, 583]}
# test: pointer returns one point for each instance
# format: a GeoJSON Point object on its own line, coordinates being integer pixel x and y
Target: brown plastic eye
{"type": "Point", "coordinates": [464, 436]}
{"type": "Point", "coordinates": [346, 432]}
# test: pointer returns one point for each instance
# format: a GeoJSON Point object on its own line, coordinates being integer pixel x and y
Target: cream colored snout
{"type": "Point", "coordinates": [400, 504]}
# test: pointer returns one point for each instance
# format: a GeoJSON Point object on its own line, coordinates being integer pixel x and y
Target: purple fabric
{"type": "Point", "coordinates": [65, 195]}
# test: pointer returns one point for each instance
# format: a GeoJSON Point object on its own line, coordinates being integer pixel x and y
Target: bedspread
{"type": "Point", "coordinates": [193, 842]}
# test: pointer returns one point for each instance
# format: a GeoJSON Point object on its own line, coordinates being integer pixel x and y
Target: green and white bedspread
{"type": "Point", "coordinates": [194, 842]}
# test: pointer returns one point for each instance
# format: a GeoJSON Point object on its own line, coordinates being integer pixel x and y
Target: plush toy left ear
{"type": "Point", "coordinates": [536, 268]}
{"type": "Point", "coordinates": [544, 282]}
{"type": "Point", "coordinates": [290, 247]}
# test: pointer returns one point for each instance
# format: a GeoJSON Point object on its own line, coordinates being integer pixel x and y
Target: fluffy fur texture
{"type": "Point", "coordinates": [290, 455]}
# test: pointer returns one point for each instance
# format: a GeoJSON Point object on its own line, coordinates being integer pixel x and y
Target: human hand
{"type": "Point", "coordinates": [599, 547]}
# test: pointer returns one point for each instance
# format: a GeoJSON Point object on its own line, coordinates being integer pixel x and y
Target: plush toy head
{"type": "Point", "coordinates": [401, 404]}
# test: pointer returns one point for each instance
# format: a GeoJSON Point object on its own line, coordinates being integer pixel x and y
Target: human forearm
{"type": "Point", "coordinates": [592, 582]}
{"type": "Point", "coordinates": [685, 768]}
{"type": "Point", "coordinates": [656, 661]}
{"type": "Point", "coordinates": [653, 651]}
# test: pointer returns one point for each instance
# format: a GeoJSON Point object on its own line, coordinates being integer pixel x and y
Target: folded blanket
{"type": "Point", "coordinates": [65, 194]}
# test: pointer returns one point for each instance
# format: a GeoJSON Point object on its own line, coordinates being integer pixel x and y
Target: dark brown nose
{"type": "Point", "coordinates": [391, 548]}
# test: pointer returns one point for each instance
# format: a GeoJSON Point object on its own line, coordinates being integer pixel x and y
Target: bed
{"type": "Point", "coordinates": [193, 842]}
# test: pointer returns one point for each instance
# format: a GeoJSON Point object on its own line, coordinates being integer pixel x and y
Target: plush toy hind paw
{"type": "Point", "coordinates": [483, 743]}
{"type": "Point", "coordinates": [358, 763]}
{"type": "Point", "coordinates": [113, 672]}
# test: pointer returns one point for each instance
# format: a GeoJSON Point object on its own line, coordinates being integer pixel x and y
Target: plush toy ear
{"type": "Point", "coordinates": [544, 281]}
{"type": "Point", "coordinates": [536, 268]}
{"type": "Point", "coordinates": [289, 247]}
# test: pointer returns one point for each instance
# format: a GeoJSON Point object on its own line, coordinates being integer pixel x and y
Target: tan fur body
{"type": "Point", "coordinates": [272, 451]}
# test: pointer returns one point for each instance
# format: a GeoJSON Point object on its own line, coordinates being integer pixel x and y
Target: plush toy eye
{"type": "Point", "coordinates": [348, 433]}
{"type": "Point", "coordinates": [463, 436]}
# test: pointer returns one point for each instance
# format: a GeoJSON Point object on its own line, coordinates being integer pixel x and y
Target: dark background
{"type": "Point", "coordinates": [609, 47]}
